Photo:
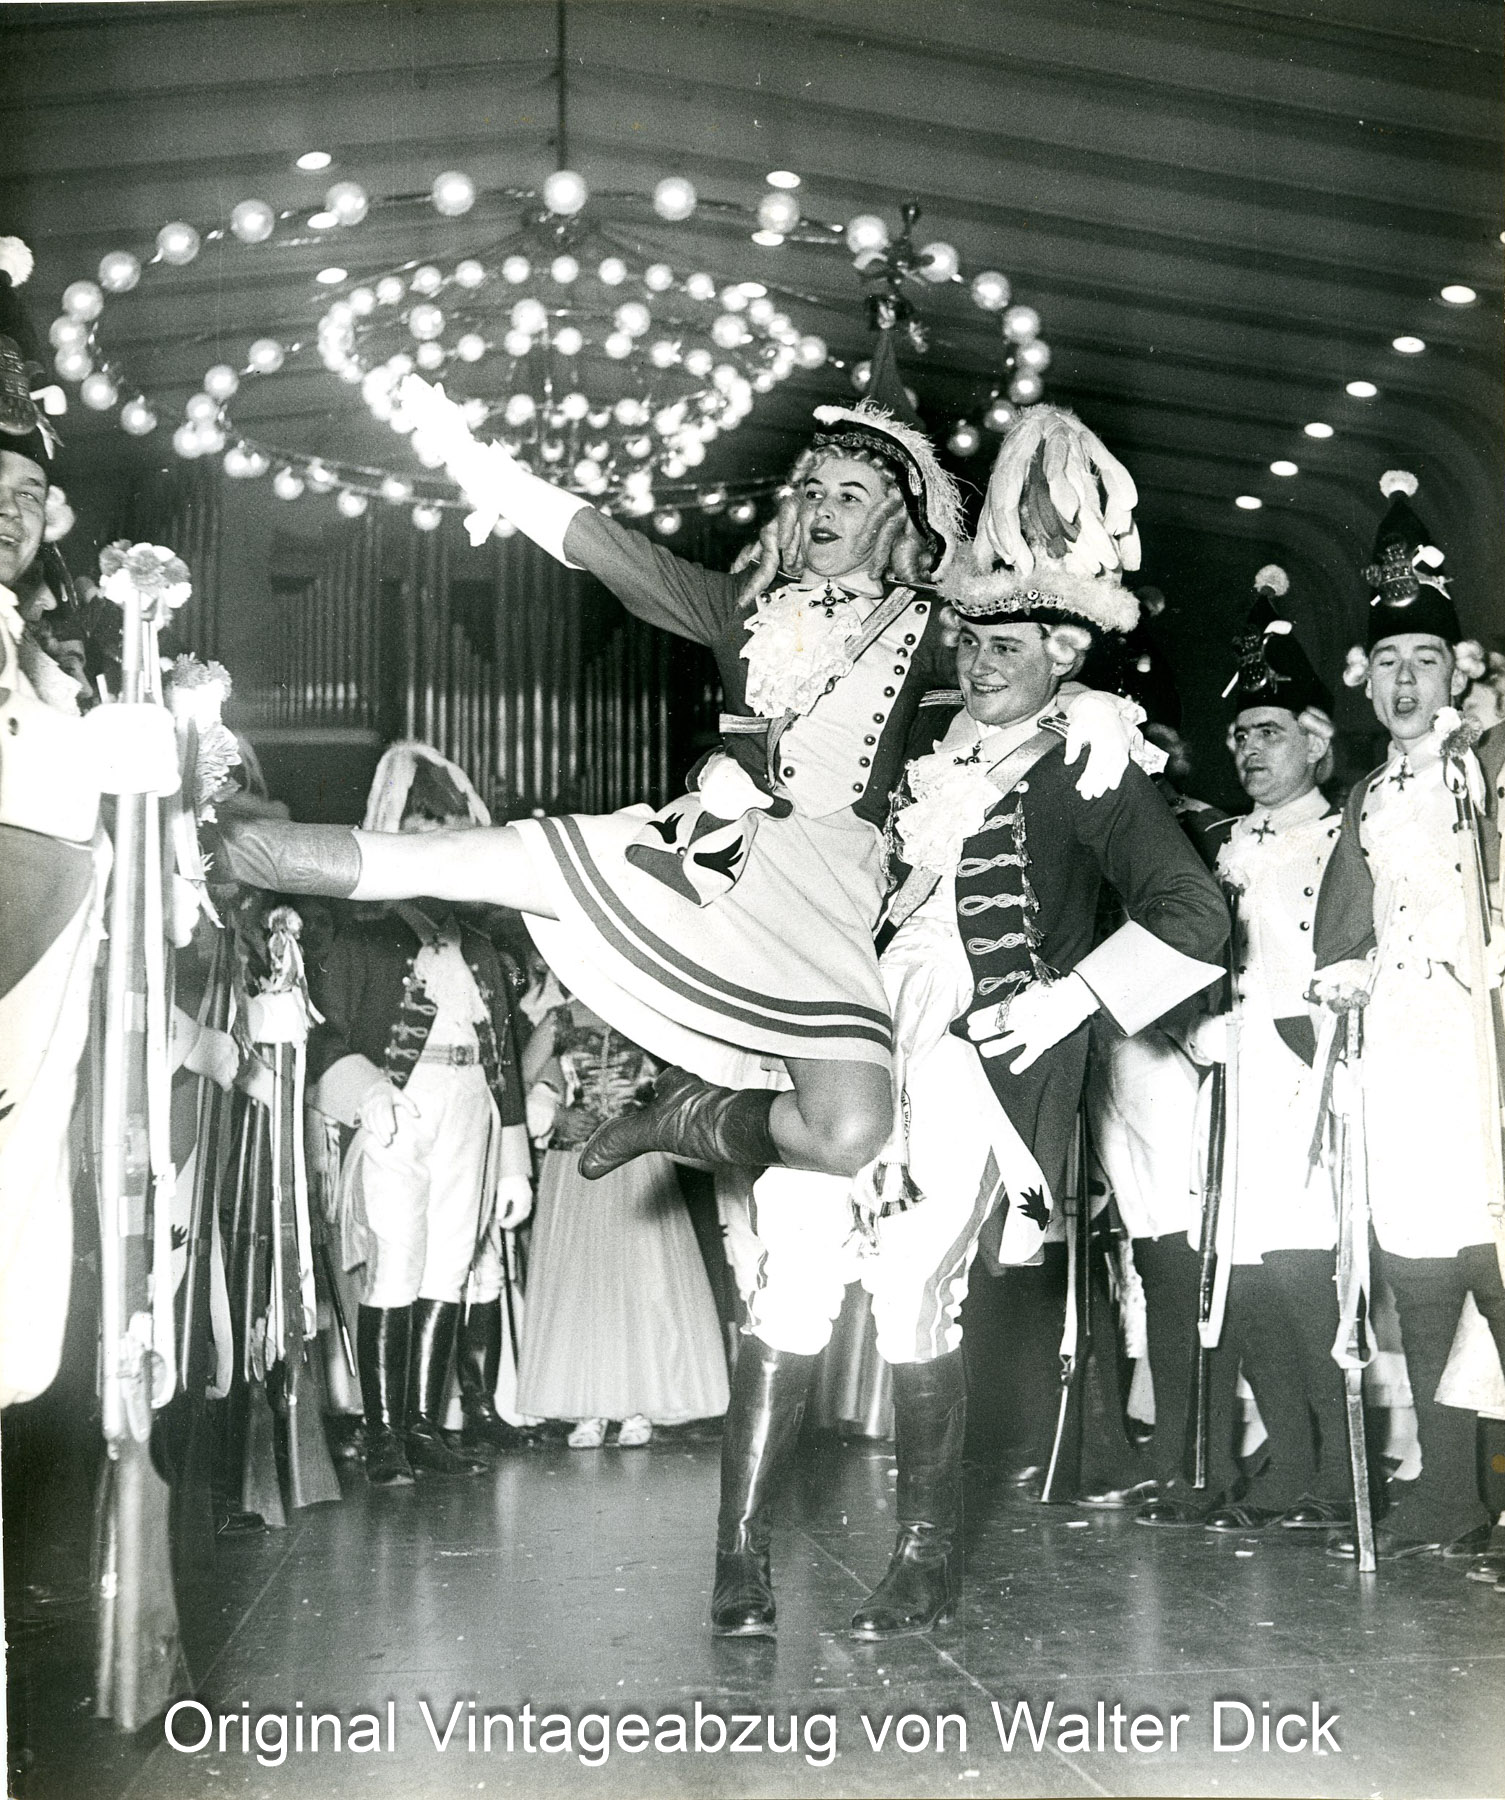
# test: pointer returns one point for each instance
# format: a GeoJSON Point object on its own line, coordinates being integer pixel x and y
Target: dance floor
{"type": "Point", "coordinates": [577, 1584]}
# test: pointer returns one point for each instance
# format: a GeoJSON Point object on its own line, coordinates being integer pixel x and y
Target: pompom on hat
{"type": "Point", "coordinates": [1273, 668]}
{"type": "Point", "coordinates": [1056, 533]}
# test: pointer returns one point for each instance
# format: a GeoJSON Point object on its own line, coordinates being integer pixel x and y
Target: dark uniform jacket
{"type": "Point", "coordinates": [377, 1013]}
{"type": "Point", "coordinates": [1027, 890]}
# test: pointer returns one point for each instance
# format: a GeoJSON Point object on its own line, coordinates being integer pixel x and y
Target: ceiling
{"type": "Point", "coordinates": [1223, 213]}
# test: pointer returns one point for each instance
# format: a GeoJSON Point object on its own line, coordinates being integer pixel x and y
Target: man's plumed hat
{"type": "Point", "coordinates": [1410, 592]}
{"type": "Point", "coordinates": [1056, 533]}
{"type": "Point", "coordinates": [1273, 668]}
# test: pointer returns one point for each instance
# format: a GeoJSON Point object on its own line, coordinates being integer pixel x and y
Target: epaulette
{"type": "Point", "coordinates": [942, 697]}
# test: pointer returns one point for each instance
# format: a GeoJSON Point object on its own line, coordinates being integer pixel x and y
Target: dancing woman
{"type": "Point", "coordinates": [730, 934]}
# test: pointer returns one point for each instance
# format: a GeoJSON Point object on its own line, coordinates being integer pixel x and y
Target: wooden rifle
{"type": "Point", "coordinates": [183, 1427]}
{"type": "Point", "coordinates": [1219, 1201]}
{"type": "Point", "coordinates": [1063, 1474]}
{"type": "Point", "coordinates": [139, 1663]}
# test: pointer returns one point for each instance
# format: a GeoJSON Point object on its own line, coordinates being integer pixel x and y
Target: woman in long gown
{"type": "Point", "coordinates": [621, 1321]}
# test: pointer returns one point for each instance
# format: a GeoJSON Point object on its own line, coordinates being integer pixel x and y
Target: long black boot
{"type": "Point", "coordinates": [434, 1326]}
{"type": "Point", "coordinates": [923, 1583]}
{"type": "Point", "coordinates": [478, 1360]}
{"type": "Point", "coordinates": [762, 1426]}
{"type": "Point", "coordinates": [690, 1118]}
{"type": "Point", "coordinates": [382, 1336]}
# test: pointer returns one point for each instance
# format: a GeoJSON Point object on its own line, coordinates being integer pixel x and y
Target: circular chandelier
{"type": "Point", "coordinates": [600, 363]}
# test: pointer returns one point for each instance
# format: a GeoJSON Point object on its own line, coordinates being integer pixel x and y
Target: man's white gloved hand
{"type": "Point", "coordinates": [1102, 725]}
{"type": "Point", "coordinates": [131, 748]}
{"type": "Point", "coordinates": [514, 1201]}
{"type": "Point", "coordinates": [215, 1055]}
{"type": "Point", "coordinates": [542, 1108]}
{"type": "Point", "coordinates": [255, 1079]}
{"type": "Point", "coordinates": [1207, 1041]}
{"type": "Point", "coordinates": [727, 790]}
{"type": "Point", "coordinates": [1342, 985]}
{"type": "Point", "coordinates": [378, 1112]}
{"type": "Point", "coordinates": [1036, 1019]}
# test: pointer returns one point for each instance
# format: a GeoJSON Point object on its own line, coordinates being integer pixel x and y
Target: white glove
{"type": "Point", "coordinates": [132, 748]}
{"type": "Point", "coordinates": [255, 1079]}
{"type": "Point", "coordinates": [1033, 1021]}
{"type": "Point", "coordinates": [377, 1113]}
{"type": "Point", "coordinates": [1341, 985]}
{"type": "Point", "coordinates": [1105, 727]}
{"type": "Point", "coordinates": [499, 486]}
{"type": "Point", "coordinates": [542, 1107]}
{"type": "Point", "coordinates": [514, 1201]}
{"type": "Point", "coordinates": [727, 790]}
{"type": "Point", "coordinates": [215, 1055]}
{"type": "Point", "coordinates": [1207, 1041]}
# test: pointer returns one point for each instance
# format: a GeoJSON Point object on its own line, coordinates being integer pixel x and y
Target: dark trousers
{"type": "Point", "coordinates": [1279, 1328]}
{"type": "Point", "coordinates": [1169, 1269]}
{"type": "Point", "coordinates": [1011, 1341]}
{"type": "Point", "coordinates": [1443, 1502]}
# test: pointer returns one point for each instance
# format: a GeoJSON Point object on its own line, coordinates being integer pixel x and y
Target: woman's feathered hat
{"type": "Point", "coordinates": [1056, 533]}
{"type": "Point", "coordinates": [1273, 668]}
{"type": "Point", "coordinates": [411, 774]}
{"type": "Point", "coordinates": [930, 495]}
{"type": "Point", "coordinates": [23, 425]}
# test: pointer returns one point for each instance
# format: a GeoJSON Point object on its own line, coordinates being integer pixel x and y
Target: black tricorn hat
{"type": "Point", "coordinates": [22, 372]}
{"type": "Point", "coordinates": [1273, 669]}
{"type": "Point", "coordinates": [1410, 592]}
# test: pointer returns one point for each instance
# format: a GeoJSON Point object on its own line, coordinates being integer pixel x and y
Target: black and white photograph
{"type": "Point", "coordinates": [751, 956]}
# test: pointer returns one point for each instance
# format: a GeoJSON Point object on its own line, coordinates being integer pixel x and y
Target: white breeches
{"type": "Point", "coordinates": [804, 1248]}
{"type": "Point", "coordinates": [423, 1193]}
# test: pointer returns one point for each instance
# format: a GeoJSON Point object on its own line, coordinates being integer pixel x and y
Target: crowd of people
{"type": "Point", "coordinates": [934, 962]}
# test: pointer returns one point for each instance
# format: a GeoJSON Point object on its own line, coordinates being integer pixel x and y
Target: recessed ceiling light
{"type": "Point", "coordinates": [783, 178]}
{"type": "Point", "coordinates": [768, 238]}
{"type": "Point", "coordinates": [1457, 294]}
{"type": "Point", "coordinates": [323, 221]}
{"type": "Point", "coordinates": [1317, 429]}
{"type": "Point", "coordinates": [1249, 502]}
{"type": "Point", "coordinates": [1361, 390]}
{"type": "Point", "coordinates": [754, 290]}
{"type": "Point", "coordinates": [331, 277]}
{"type": "Point", "coordinates": [315, 159]}
{"type": "Point", "coordinates": [1408, 346]}
{"type": "Point", "coordinates": [1284, 467]}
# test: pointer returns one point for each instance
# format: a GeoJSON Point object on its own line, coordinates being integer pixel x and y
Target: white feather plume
{"type": "Point", "coordinates": [1397, 481]}
{"type": "Point", "coordinates": [1272, 579]}
{"type": "Point", "coordinates": [16, 259]}
{"type": "Point", "coordinates": [1093, 494]}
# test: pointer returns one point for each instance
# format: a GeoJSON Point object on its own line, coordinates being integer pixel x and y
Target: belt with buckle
{"type": "Point", "coordinates": [453, 1056]}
